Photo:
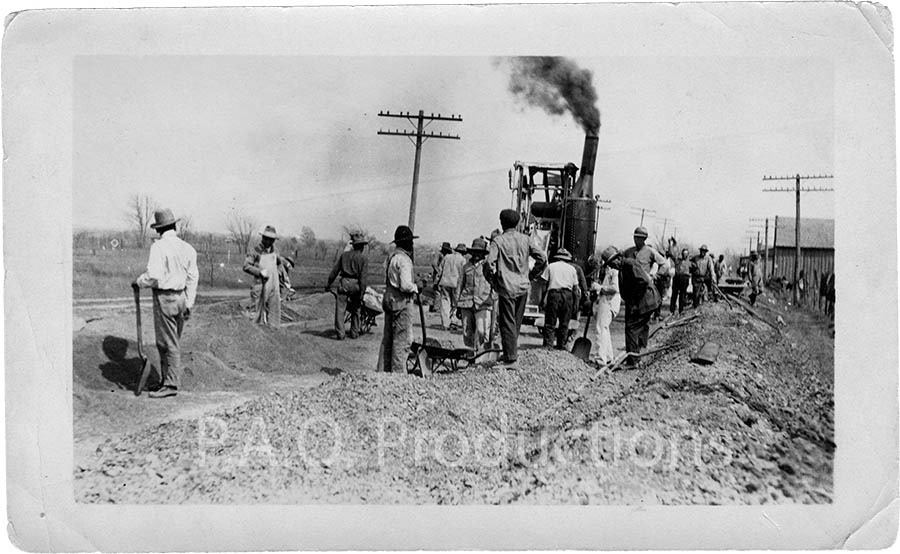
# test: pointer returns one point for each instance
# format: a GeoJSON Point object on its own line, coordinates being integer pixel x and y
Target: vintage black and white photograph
{"type": "Point", "coordinates": [536, 276]}
{"type": "Point", "coordinates": [350, 286]}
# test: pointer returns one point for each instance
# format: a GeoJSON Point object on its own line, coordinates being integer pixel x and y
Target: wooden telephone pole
{"type": "Point", "coordinates": [642, 212]}
{"type": "Point", "coordinates": [420, 137]}
{"type": "Point", "coordinates": [797, 190]}
{"type": "Point", "coordinates": [756, 221]}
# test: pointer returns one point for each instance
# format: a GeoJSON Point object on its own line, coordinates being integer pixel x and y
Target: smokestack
{"type": "Point", "coordinates": [584, 186]}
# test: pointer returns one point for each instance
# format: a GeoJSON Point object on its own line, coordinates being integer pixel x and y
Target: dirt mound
{"type": "Point", "coordinates": [111, 363]}
{"type": "Point", "coordinates": [221, 345]}
{"type": "Point", "coordinates": [757, 426]}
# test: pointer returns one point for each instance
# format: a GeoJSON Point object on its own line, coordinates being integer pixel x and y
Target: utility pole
{"type": "Point", "coordinates": [665, 222]}
{"type": "Point", "coordinates": [420, 137]}
{"type": "Point", "coordinates": [797, 190]}
{"type": "Point", "coordinates": [642, 211]}
{"type": "Point", "coordinates": [757, 221]}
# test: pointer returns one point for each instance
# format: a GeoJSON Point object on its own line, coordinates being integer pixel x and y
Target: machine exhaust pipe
{"type": "Point", "coordinates": [584, 186]}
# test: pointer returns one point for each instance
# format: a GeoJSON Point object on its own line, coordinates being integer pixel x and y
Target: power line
{"type": "Point", "coordinates": [796, 190]}
{"type": "Point", "coordinates": [642, 211]}
{"type": "Point", "coordinates": [421, 136]}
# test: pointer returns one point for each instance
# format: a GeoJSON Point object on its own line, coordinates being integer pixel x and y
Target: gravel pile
{"type": "Point", "coordinates": [757, 426]}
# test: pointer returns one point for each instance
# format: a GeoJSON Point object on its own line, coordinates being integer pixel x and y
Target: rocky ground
{"type": "Point", "coordinates": [292, 416]}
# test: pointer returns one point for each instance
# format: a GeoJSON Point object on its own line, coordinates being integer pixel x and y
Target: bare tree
{"type": "Point", "coordinates": [139, 214]}
{"type": "Point", "coordinates": [308, 237]}
{"type": "Point", "coordinates": [240, 228]}
{"type": "Point", "coordinates": [186, 228]}
{"type": "Point", "coordinates": [207, 246]}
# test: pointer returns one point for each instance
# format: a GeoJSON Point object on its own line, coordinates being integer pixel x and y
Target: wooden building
{"type": "Point", "coordinates": [816, 247]}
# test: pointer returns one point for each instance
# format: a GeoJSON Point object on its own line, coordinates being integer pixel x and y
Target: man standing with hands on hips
{"type": "Point", "coordinates": [173, 275]}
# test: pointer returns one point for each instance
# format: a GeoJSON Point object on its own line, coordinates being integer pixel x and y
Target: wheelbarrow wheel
{"type": "Point", "coordinates": [365, 322]}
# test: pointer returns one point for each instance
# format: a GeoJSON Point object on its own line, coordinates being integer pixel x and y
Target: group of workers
{"type": "Point", "coordinates": [485, 285]}
{"type": "Point", "coordinates": [488, 291]}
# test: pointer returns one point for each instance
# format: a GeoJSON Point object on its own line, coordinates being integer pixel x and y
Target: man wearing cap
{"type": "Point", "coordinates": [507, 270]}
{"type": "Point", "coordinates": [262, 262]}
{"type": "Point", "coordinates": [474, 299]}
{"type": "Point", "coordinates": [397, 303]}
{"type": "Point", "coordinates": [173, 275]}
{"type": "Point", "coordinates": [609, 302]}
{"type": "Point", "coordinates": [447, 278]}
{"type": "Point", "coordinates": [680, 281]}
{"type": "Point", "coordinates": [703, 274]}
{"type": "Point", "coordinates": [647, 257]}
{"type": "Point", "coordinates": [559, 299]}
{"type": "Point", "coordinates": [350, 270]}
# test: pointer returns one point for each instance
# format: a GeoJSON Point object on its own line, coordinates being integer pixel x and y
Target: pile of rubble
{"type": "Point", "coordinates": [755, 427]}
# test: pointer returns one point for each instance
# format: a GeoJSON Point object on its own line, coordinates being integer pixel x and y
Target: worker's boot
{"type": "Point", "coordinates": [547, 335]}
{"type": "Point", "coordinates": [562, 336]}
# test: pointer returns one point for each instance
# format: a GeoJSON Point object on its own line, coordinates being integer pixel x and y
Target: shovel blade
{"type": "Point", "coordinates": [145, 373]}
{"type": "Point", "coordinates": [582, 348]}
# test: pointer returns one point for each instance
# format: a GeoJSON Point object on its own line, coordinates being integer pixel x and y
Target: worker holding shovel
{"type": "Point", "coordinates": [173, 275]}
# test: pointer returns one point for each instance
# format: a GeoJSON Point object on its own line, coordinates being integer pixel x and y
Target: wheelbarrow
{"type": "Point", "coordinates": [425, 359]}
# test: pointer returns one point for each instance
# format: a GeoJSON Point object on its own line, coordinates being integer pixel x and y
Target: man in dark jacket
{"type": "Point", "coordinates": [351, 268]}
{"type": "Point", "coordinates": [641, 299]}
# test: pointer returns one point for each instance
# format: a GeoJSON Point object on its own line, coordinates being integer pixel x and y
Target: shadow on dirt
{"type": "Point", "coordinates": [121, 370]}
{"type": "Point", "coordinates": [332, 371]}
{"type": "Point", "coordinates": [325, 334]}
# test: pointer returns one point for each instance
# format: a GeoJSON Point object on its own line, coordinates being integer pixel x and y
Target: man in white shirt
{"type": "Point", "coordinates": [172, 274]}
{"type": "Point", "coordinates": [559, 300]}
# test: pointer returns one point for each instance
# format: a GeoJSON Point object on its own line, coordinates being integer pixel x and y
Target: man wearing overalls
{"type": "Point", "coordinates": [397, 303]}
{"type": "Point", "coordinates": [263, 263]}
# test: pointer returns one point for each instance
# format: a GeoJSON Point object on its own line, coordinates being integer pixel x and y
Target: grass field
{"type": "Point", "coordinates": [109, 273]}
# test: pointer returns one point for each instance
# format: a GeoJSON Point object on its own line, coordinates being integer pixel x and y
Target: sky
{"type": "Point", "coordinates": [292, 141]}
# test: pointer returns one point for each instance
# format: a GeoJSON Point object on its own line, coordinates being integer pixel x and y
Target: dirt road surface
{"type": "Point", "coordinates": [294, 416]}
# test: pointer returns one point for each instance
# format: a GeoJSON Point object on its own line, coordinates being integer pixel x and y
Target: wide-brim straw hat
{"type": "Point", "coordinates": [563, 255]}
{"type": "Point", "coordinates": [402, 233]}
{"type": "Point", "coordinates": [479, 246]}
{"type": "Point", "coordinates": [269, 232]}
{"type": "Point", "coordinates": [163, 218]}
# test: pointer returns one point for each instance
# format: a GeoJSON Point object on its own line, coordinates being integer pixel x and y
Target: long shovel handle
{"type": "Point", "coordinates": [137, 314]}
{"type": "Point", "coordinates": [145, 363]}
{"type": "Point", "coordinates": [261, 314]}
{"type": "Point", "coordinates": [421, 316]}
{"type": "Point", "coordinates": [587, 323]}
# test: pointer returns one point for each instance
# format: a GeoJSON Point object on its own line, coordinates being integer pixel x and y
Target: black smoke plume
{"type": "Point", "coordinates": [558, 86]}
